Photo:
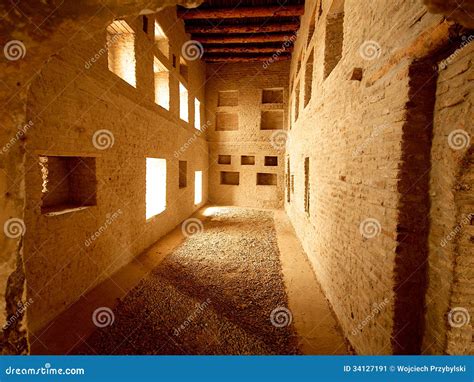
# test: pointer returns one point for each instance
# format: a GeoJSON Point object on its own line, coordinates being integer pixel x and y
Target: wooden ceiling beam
{"type": "Point", "coordinates": [240, 12]}
{"type": "Point", "coordinates": [250, 28]}
{"type": "Point", "coordinates": [278, 37]}
{"type": "Point", "coordinates": [257, 58]}
{"type": "Point", "coordinates": [246, 49]}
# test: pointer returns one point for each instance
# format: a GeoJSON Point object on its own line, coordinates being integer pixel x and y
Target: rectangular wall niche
{"type": "Point", "coordinates": [228, 98]}
{"type": "Point", "coordinates": [162, 84]}
{"type": "Point", "coordinates": [265, 179]}
{"type": "Point", "coordinates": [183, 68]}
{"type": "Point", "coordinates": [272, 95]}
{"type": "Point", "coordinates": [68, 182]}
{"type": "Point", "coordinates": [230, 178]}
{"type": "Point", "coordinates": [227, 121]}
{"type": "Point", "coordinates": [224, 159]}
{"type": "Point", "coordinates": [247, 160]}
{"type": "Point", "coordinates": [271, 120]}
{"type": "Point", "coordinates": [121, 51]}
{"type": "Point", "coordinates": [183, 174]}
{"type": "Point", "coordinates": [271, 161]}
{"type": "Point", "coordinates": [308, 78]}
{"type": "Point", "coordinates": [306, 185]}
{"type": "Point", "coordinates": [155, 186]}
{"type": "Point", "coordinates": [334, 37]}
{"type": "Point", "coordinates": [197, 187]}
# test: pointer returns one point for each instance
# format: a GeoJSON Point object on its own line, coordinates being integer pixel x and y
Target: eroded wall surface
{"type": "Point", "coordinates": [80, 108]}
{"type": "Point", "coordinates": [241, 89]}
{"type": "Point", "coordinates": [359, 164]}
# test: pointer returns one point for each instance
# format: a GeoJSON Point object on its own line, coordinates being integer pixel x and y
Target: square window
{"type": "Point", "coordinates": [155, 186]}
{"type": "Point", "coordinates": [197, 187]}
{"type": "Point", "coordinates": [68, 182]}
{"type": "Point", "coordinates": [271, 120]}
{"type": "Point", "coordinates": [265, 179]}
{"type": "Point", "coordinates": [230, 178]}
{"type": "Point", "coordinates": [272, 95]}
{"type": "Point", "coordinates": [183, 174]}
{"type": "Point", "coordinates": [227, 121]}
{"type": "Point", "coordinates": [228, 98]}
{"type": "Point", "coordinates": [247, 160]}
{"type": "Point", "coordinates": [271, 161]}
{"type": "Point", "coordinates": [121, 51]}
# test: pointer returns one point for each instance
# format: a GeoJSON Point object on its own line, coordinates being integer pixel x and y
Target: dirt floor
{"type": "Point", "coordinates": [228, 281]}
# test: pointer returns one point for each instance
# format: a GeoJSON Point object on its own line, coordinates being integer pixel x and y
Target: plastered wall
{"type": "Point", "coordinates": [76, 96]}
{"type": "Point", "coordinates": [249, 80]}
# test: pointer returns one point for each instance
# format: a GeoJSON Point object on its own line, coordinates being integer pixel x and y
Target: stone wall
{"type": "Point", "coordinates": [78, 107]}
{"type": "Point", "coordinates": [365, 136]}
{"type": "Point", "coordinates": [243, 85]}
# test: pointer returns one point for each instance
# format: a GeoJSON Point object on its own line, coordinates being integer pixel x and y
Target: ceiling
{"type": "Point", "coordinates": [246, 30]}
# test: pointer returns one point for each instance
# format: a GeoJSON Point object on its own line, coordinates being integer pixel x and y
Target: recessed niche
{"type": "Point", "coordinates": [228, 98]}
{"type": "Point", "coordinates": [224, 159]}
{"type": "Point", "coordinates": [68, 183]}
{"type": "Point", "coordinates": [272, 96]}
{"type": "Point", "coordinates": [271, 161]}
{"type": "Point", "coordinates": [230, 178]}
{"type": "Point", "coordinates": [265, 179]}
{"type": "Point", "coordinates": [183, 173]}
{"type": "Point", "coordinates": [271, 120]}
{"type": "Point", "coordinates": [227, 121]}
{"type": "Point", "coordinates": [247, 160]}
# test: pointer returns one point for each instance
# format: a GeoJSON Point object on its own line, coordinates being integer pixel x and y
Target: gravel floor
{"type": "Point", "coordinates": [214, 294]}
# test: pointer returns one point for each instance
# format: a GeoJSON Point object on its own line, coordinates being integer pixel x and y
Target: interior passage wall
{"type": "Point", "coordinates": [78, 107]}
{"type": "Point", "coordinates": [347, 146]}
{"type": "Point", "coordinates": [246, 106]}
{"type": "Point", "coordinates": [450, 295]}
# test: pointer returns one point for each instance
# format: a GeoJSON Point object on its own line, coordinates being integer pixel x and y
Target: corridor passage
{"type": "Point", "coordinates": [221, 290]}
